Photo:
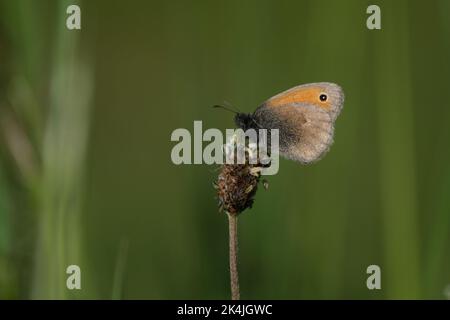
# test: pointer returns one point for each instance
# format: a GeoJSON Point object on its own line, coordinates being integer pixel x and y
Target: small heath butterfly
{"type": "Point", "coordinates": [304, 116]}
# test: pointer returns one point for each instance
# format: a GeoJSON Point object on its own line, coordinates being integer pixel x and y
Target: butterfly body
{"type": "Point", "coordinates": [305, 117]}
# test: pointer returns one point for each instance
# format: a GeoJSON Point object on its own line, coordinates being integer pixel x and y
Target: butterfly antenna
{"type": "Point", "coordinates": [223, 107]}
{"type": "Point", "coordinates": [227, 107]}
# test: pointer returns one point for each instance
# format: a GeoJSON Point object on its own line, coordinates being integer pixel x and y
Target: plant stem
{"type": "Point", "coordinates": [234, 278]}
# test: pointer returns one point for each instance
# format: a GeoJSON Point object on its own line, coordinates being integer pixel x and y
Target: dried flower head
{"type": "Point", "coordinates": [236, 187]}
{"type": "Point", "coordinates": [237, 183]}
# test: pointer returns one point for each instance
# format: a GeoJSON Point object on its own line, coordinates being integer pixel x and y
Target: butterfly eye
{"type": "Point", "coordinates": [323, 97]}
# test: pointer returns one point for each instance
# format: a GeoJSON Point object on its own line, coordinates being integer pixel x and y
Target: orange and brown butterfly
{"type": "Point", "coordinates": [304, 116]}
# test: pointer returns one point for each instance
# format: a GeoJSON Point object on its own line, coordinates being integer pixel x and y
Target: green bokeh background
{"type": "Point", "coordinates": [86, 176]}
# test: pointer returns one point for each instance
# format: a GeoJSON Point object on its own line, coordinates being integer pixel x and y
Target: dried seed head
{"type": "Point", "coordinates": [237, 183]}
{"type": "Point", "coordinates": [236, 187]}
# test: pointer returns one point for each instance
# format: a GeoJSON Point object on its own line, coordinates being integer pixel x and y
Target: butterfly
{"type": "Point", "coordinates": [305, 117]}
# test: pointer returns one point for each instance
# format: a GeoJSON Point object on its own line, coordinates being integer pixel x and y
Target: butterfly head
{"type": "Point", "coordinates": [244, 121]}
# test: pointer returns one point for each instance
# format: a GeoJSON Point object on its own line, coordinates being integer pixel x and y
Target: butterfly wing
{"type": "Point", "coordinates": [305, 119]}
{"type": "Point", "coordinates": [311, 94]}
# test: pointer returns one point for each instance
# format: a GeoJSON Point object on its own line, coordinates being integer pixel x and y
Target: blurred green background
{"type": "Point", "coordinates": [86, 176]}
